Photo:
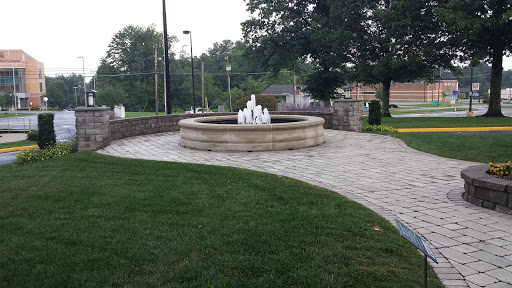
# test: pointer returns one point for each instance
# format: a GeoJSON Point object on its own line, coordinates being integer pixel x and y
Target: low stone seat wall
{"type": "Point", "coordinates": [486, 191]}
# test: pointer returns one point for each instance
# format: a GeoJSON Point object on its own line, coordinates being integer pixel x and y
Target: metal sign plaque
{"type": "Point", "coordinates": [415, 240]}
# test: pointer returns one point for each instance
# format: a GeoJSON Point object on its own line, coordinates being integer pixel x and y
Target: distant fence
{"type": "Point", "coordinates": [18, 124]}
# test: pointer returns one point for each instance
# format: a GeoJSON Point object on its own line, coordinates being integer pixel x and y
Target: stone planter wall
{"type": "Point", "coordinates": [486, 191]}
{"type": "Point", "coordinates": [92, 128]}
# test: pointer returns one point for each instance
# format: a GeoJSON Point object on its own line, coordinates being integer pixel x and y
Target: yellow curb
{"type": "Point", "coordinates": [460, 129]}
{"type": "Point", "coordinates": [14, 149]}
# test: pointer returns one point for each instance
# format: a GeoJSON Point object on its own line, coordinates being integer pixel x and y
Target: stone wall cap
{"type": "Point", "coordinates": [83, 108]}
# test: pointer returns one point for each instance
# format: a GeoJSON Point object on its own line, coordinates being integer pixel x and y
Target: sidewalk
{"type": "Point", "coordinates": [473, 245]}
{"type": "Point", "coordinates": [12, 137]}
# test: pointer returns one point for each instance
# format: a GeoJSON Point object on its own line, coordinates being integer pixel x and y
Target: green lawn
{"type": "Point", "coordinates": [442, 122]}
{"type": "Point", "coordinates": [17, 144]}
{"type": "Point", "coordinates": [98, 221]}
{"type": "Point", "coordinates": [478, 148]}
{"type": "Point", "coordinates": [10, 115]}
{"type": "Point", "coordinates": [411, 111]}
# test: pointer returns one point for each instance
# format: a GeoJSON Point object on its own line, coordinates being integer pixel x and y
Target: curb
{"type": "Point", "coordinates": [14, 149]}
{"type": "Point", "coordinates": [460, 129]}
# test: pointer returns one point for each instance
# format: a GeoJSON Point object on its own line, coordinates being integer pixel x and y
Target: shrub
{"type": "Point", "coordinates": [46, 134]}
{"type": "Point", "coordinates": [32, 135]}
{"type": "Point", "coordinates": [375, 113]}
{"type": "Point", "coordinates": [500, 170]}
{"type": "Point", "coordinates": [60, 149]}
{"type": "Point", "coordinates": [266, 101]}
{"type": "Point", "coordinates": [379, 128]}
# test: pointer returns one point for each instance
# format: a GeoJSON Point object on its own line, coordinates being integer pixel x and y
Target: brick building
{"type": "Point", "coordinates": [22, 74]}
{"type": "Point", "coordinates": [411, 92]}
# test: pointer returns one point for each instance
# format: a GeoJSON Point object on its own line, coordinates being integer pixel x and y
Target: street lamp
{"type": "Point", "coordinates": [192, 59]}
{"type": "Point", "coordinates": [348, 90]}
{"type": "Point", "coordinates": [85, 88]}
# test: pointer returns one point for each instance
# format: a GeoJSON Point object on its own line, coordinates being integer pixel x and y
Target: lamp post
{"type": "Point", "coordinates": [192, 60]}
{"type": "Point", "coordinates": [348, 90]}
{"type": "Point", "coordinates": [167, 82]}
{"type": "Point", "coordinates": [76, 98]}
{"type": "Point", "coordinates": [83, 70]}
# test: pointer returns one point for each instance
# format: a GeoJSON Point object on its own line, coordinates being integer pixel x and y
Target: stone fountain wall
{"type": "Point", "coordinates": [347, 116]}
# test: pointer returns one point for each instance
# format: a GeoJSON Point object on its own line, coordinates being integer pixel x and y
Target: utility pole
{"type": "Point", "coordinates": [202, 86]}
{"type": "Point", "coordinates": [76, 98]}
{"type": "Point", "coordinates": [439, 86]}
{"type": "Point", "coordinates": [85, 87]}
{"type": "Point", "coordinates": [228, 68]}
{"type": "Point", "coordinates": [471, 90]}
{"type": "Point", "coordinates": [294, 88]}
{"type": "Point", "coordinates": [156, 82]}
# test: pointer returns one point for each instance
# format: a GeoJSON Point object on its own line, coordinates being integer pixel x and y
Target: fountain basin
{"type": "Point", "coordinates": [216, 134]}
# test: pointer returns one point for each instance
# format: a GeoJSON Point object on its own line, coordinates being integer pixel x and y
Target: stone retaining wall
{"type": "Point", "coordinates": [486, 191]}
{"type": "Point", "coordinates": [130, 127]}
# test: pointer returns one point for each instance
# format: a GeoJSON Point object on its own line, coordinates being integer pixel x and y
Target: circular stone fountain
{"type": "Point", "coordinates": [223, 133]}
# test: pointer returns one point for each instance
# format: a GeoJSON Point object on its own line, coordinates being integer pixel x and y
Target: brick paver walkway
{"type": "Point", "coordinates": [473, 245]}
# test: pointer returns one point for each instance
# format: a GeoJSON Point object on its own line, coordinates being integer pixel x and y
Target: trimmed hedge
{"type": "Point", "coordinates": [266, 101]}
{"type": "Point", "coordinates": [46, 135]}
{"type": "Point", "coordinates": [60, 149]}
{"type": "Point", "coordinates": [375, 112]}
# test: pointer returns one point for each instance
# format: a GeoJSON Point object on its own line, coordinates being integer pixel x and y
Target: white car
{"type": "Point", "coordinates": [198, 110]}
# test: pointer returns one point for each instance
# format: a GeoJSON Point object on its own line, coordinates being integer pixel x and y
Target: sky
{"type": "Point", "coordinates": [56, 32]}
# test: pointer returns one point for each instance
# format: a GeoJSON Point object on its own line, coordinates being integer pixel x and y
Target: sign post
{"type": "Point", "coordinates": [418, 242]}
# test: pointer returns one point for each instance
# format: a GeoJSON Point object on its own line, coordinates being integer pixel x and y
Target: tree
{"type": "Point", "coordinates": [56, 94]}
{"type": "Point", "coordinates": [364, 41]}
{"type": "Point", "coordinates": [481, 30]}
{"type": "Point", "coordinates": [129, 65]}
{"type": "Point", "coordinates": [110, 97]}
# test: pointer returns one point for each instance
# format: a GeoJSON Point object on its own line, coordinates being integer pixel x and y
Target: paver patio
{"type": "Point", "coordinates": [473, 245]}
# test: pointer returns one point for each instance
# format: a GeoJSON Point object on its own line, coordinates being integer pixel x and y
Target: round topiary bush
{"type": "Point", "coordinates": [266, 101]}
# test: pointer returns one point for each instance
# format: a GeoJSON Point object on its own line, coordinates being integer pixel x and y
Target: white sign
{"type": "Point", "coordinates": [476, 86]}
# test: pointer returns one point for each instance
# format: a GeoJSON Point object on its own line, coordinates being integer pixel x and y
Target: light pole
{"type": "Point", "coordinates": [85, 88]}
{"type": "Point", "coordinates": [192, 59]}
{"type": "Point", "coordinates": [168, 108]}
{"type": "Point", "coordinates": [76, 98]}
{"type": "Point", "coordinates": [228, 68]}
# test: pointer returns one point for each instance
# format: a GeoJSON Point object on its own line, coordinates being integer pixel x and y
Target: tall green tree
{"type": "Point", "coordinates": [481, 28]}
{"type": "Point", "coordinates": [56, 93]}
{"type": "Point", "coordinates": [365, 41]}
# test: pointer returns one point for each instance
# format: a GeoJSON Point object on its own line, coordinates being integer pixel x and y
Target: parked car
{"type": "Point", "coordinates": [393, 106]}
{"type": "Point", "coordinates": [198, 110]}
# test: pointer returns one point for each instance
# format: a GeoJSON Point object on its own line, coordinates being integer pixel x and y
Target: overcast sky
{"type": "Point", "coordinates": [56, 32]}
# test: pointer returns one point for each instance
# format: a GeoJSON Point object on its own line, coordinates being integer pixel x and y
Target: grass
{"type": "Point", "coordinates": [17, 144]}
{"type": "Point", "coordinates": [476, 147]}
{"type": "Point", "coordinates": [443, 122]}
{"type": "Point", "coordinates": [10, 115]}
{"type": "Point", "coordinates": [411, 111]}
{"type": "Point", "coordinates": [145, 223]}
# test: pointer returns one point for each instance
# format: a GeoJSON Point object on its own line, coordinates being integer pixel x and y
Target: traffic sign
{"type": "Point", "coordinates": [475, 86]}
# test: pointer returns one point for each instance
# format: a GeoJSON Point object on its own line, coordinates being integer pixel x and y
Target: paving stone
{"type": "Point", "coordinates": [481, 279]}
{"type": "Point", "coordinates": [464, 269]}
{"type": "Point", "coordinates": [457, 256]}
{"type": "Point", "coordinates": [490, 258]}
{"type": "Point", "coordinates": [443, 240]}
{"type": "Point", "coordinates": [464, 248]}
{"type": "Point", "coordinates": [475, 234]}
{"type": "Point", "coordinates": [501, 274]}
{"type": "Point", "coordinates": [493, 249]}
{"type": "Point", "coordinates": [481, 266]}
{"type": "Point", "coordinates": [499, 285]}
{"type": "Point", "coordinates": [453, 226]}
{"type": "Point", "coordinates": [501, 243]}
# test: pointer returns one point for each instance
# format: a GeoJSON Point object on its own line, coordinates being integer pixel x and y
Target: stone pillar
{"type": "Point", "coordinates": [348, 115]}
{"type": "Point", "coordinates": [92, 128]}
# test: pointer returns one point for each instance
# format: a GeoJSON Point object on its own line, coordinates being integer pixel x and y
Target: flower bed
{"type": "Point", "coordinates": [485, 190]}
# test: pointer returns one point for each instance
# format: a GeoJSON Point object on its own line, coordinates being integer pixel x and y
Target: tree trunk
{"type": "Point", "coordinates": [494, 109]}
{"type": "Point", "coordinates": [386, 85]}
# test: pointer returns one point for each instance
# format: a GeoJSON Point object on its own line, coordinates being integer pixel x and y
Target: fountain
{"type": "Point", "coordinates": [251, 130]}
